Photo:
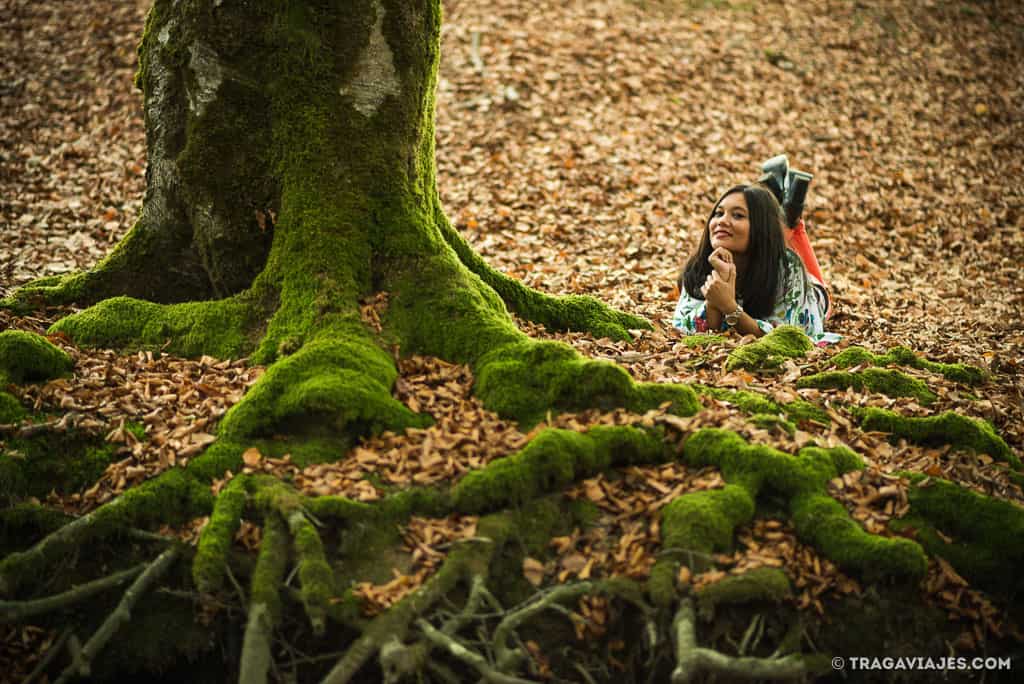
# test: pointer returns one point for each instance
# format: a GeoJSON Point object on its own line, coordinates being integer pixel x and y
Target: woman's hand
{"type": "Point", "coordinates": [722, 262]}
{"type": "Point", "coordinates": [720, 293]}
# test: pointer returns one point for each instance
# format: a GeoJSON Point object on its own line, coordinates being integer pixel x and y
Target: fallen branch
{"type": "Point", "coordinates": [692, 660]}
{"type": "Point", "coordinates": [471, 658]}
{"type": "Point", "coordinates": [122, 613]}
{"type": "Point", "coordinates": [13, 611]}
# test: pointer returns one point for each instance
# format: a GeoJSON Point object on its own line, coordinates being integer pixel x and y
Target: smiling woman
{"type": "Point", "coordinates": [744, 276]}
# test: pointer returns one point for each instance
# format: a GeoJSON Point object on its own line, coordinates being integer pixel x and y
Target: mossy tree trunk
{"type": "Point", "coordinates": [291, 175]}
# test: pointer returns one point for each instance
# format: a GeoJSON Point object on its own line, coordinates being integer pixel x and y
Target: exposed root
{"type": "Point", "coordinates": [770, 351]}
{"type": "Point", "coordinates": [466, 655]}
{"type": "Point", "coordinates": [215, 538]}
{"type": "Point", "coordinates": [945, 428]}
{"type": "Point", "coordinates": [891, 383]}
{"type": "Point", "coordinates": [958, 372]}
{"type": "Point", "coordinates": [265, 601]}
{"type": "Point", "coordinates": [14, 611]}
{"type": "Point", "coordinates": [169, 497]}
{"type": "Point", "coordinates": [81, 664]}
{"type": "Point", "coordinates": [693, 661]}
{"type": "Point", "coordinates": [509, 658]}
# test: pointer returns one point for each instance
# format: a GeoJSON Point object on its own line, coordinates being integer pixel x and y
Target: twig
{"type": "Point", "coordinates": [122, 613]}
{"type": "Point", "coordinates": [13, 611]}
{"type": "Point", "coordinates": [18, 431]}
{"type": "Point", "coordinates": [51, 653]}
{"type": "Point", "coordinates": [692, 660]}
{"type": "Point", "coordinates": [471, 658]}
{"type": "Point", "coordinates": [474, 52]}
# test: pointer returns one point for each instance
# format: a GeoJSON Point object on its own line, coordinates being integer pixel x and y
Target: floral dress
{"type": "Point", "coordinates": [797, 304]}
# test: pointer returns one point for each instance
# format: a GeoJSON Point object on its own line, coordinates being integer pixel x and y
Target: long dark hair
{"type": "Point", "coordinates": [766, 251]}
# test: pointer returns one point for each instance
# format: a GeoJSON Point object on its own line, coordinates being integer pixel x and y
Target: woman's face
{"type": "Point", "coordinates": [730, 224]}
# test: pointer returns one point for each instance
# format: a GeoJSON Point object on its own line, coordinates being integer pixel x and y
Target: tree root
{"type": "Point", "coordinates": [14, 611]}
{"type": "Point", "coordinates": [265, 601]}
{"type": "Point", "coordinates": [692, 661]}
{"type": "Point", "coordinates": [508, 658]}
{"type": "Point", "coordinates": [122, 613]}
{"type": "Point", "coordinates": [215, 538]}
{"type": "Point", "coordinates": [166, 498]}
{"type": "Point", "coordinates": [466, 655]}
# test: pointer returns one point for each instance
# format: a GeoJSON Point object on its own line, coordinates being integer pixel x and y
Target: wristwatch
{"type": "Point", "coordinates": [731, 319]}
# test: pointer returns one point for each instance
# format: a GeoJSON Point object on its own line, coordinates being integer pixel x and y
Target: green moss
{"type": "Point", "coordinates": [822, 521]}
{"type": "Point", "coordinates": [767, 421]}
{"type": "Point", "coordinates": [702, 340]}
{"type": "Point", "coordinates": [315, 577]}
{"type": "Point", "coordinates": [757, 585]}
{"type": "Point", "coordinates": [770, 351]}
{"type": "Point", "coordinates": [751, 402]}
{"type": "Point", "coordinates": [220, 457]}
{"type": "Point", "coordinates": [52, 461]}
{"type": "Point", "coordinates": [336, 386]}
{"type": "Point", "coordinates": [958, 372]}
{"type": "Point", "coordinates": [800, 411]}
{"type": "Point", "coordinates": [891, 383]}
{"type": "Point", "coordinates": [27, 357]}
{"type": "Point", "coordinates": [818, 518]}
{"type": "Point", "coordinates": [703, 522]}
{"type": "Point", "coordinates": [552, 460]}
{"type": "Point", "coordinates": [215, 539]}
{"type": "Point", "coordinates": [11, 410]}
{"type": "Point", "coordinates": [946, 428]}
{"type": "Point", "coordinates": [23, 523]}
{"type": "Point", "coordinates": [219, 328]}
{"type": "Point", "coordinates": [987, 533]}
{"type": "Point", "coordinates": [271, 564]}
{"type": "Point", "coordinates": [526, 379]}
{"type": "Point", "coordinates": [169, 498]}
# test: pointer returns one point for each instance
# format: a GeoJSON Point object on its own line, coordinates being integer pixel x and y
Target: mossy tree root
{"type": "Point", "coordinates": [215, 539]}
{"type": "Point", "coordinates": [946, 428]}
{"type": "Point", "coordinates": [553, 460]}
{"type": "Point", "coordinates": [818, 518]}
{"type": "Point", "coordinates": [770, 351]}
{"type": "Point", "coordinates": [958, 372]}
{"type": "Point", "coordinates": [264, 601]}
{"type": "Point", "coordinates": [316, 579]}
{"type": "Point", "coordinates": [82, 662]}
{"type": "Point", "coordinates": [757, 585]}
{"type": "Point", "coordinates": [693, 661]}
{"type": "Point", "coordinates": [221, 328]}
{"type": "Point", "coordinates": [692, 527]}
{"type": "Point", "coordinates": [572, 312]}
{"type": "Point", "coordinates": [15, 611]}
{"type": "Point", "coordinates": [27, 357]}
{"type": "Point", "coordinates": [987, 534]}
{"type": "Point", "coordinates": [797, 410]}
{"type": "Point", "coordinates": [891, 383]}
{"type": "Point", "coordinates": [171, 497]}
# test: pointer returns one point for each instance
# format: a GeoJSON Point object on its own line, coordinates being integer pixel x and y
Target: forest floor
{"type": "Point", "coordinates": [580, 147]}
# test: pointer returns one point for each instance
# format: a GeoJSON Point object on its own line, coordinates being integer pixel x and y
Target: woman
{"type": "Point", "coordinates": [743, 276]}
